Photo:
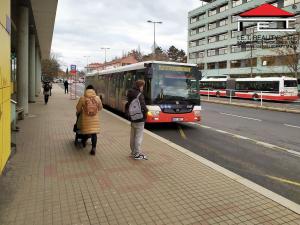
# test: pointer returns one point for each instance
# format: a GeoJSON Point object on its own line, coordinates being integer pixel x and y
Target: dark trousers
{"type": "Point", "coordinates": [66, 90]}
{"type": "Point", "coordinates": [94, 139]}
{"type": "Point", "coordinates": [46, 98]}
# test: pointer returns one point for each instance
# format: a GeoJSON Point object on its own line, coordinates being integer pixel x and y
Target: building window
{"type": "Point", "coordinates": [234, 19]}
{"type": "Point", "coordinates": [212, 39]}
{"type": "Point", "coordinates": [201, 54]}
{"type": "Point", "coordinates": [224, 8]}
{"type": "Point", "coordinates": [223, 36]}
{"type": "Point", "coordinates": [290, 2]}
{"type": "Point", "coordinates": [235, 48]}
{"type": "Point", "coordinates": [211, 52]}
{"type": "Point", "coordinates": [193, 31]}
{"type": "Point", "coordinates": [235, 63]}
{"type": "Point", "coordinates": [193, 43]}
{"type": "Point", "coordinates": [234, 33]}
{"type": "Point", "coordinates": [236, 3]}
{"type": "Point", "coordinates": [202, 16]}
{"type": "Point", "coordinates": [193, 55]}
{"type": "Point", "coordinates": [222, 51]}
{"type": "Point", "coordinates": [201, 66]}
{"type": "Point", "coordinates": [212, 26]}
{"type": "Point", "coordinates": [268, 61]}
{"type": "Point", "coordinates": [248, 62]}
{"type": "Point", "coordinates": [201, 29]}
{"type": "Point", "coordinates": [223, 22]}
{"type": "Point", "coordinates": [211, 66]}
{"type": "Point", "coordinates": [212, 12]}
{"type": "Point", "coordinates": [194, 19]}
{"type": "Point", "coordinates": [222, 65]}
{"type": "Point", "coordinates": [201, 42]}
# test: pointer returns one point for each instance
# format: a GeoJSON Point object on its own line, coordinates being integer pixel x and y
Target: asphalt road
{"type": "Point", "coordinates": [256, 144]}
{"type": "Point", "coordinates": [260, 145]}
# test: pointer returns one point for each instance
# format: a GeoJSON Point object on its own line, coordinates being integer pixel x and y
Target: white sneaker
{"type": "Point", "coordinates": [140, 156]}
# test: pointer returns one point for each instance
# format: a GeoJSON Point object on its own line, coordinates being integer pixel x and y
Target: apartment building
{"type": "Point", "coordinates": [213, 36]}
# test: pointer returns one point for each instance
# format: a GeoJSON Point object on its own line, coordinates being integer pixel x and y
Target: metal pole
{"type": "Point", "coordinates": [154, 47]}
{"type": "Point", "coordinates": [105, 56]}
{"type": "Point", "coordinates": [261, 99]}
{"type": "Point", "coordinates": [208, 94]}
{"type": "Point", "coordinates": [154, 34]}
{"type": "Point", "coordinates": [230, 96]}
{"type": "Point", "coordinates": [251, 61]}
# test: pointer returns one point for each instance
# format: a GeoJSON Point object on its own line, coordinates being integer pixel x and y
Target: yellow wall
{"type": "Point", "coordinates": [5, 90]}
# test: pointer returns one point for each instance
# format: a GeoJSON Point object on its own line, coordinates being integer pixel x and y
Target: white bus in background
{"type": "Point", "coordinates": [267, 88]}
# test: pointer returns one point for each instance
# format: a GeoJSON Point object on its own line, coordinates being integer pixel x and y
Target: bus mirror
{"type": "Point", "coordinates": [148, 72]}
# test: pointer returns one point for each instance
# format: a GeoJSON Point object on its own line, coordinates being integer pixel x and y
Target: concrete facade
{"type": "Point", "coordinates": [26, 30]}
{"type": "Point", "coordinates": [32, 69]}
{"type": "Point", "coordinates": [22, 56]}
{"type": "Point", "coordinates": [212, 35]}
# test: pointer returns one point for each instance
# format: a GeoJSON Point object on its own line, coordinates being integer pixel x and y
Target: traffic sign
{"type": "Point", "coordinates": [73, 69]}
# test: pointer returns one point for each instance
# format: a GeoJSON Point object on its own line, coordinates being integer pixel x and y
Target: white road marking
{"type": "Point", "coordinates": [288, 125]}
{"type": "Point", "coordinates": [244, 117]}
{"type": "Point", "coordinates": [222, 131]}
{"type": "Point", "coordinates": [294, 152]}
{"type": "Point", "coordinates": [261, 143]}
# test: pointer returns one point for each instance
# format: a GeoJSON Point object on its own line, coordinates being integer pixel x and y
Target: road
{"type": "Point", "coordinates": [260, 145]}
{"type": "Point", "coordinates": [256, 144]}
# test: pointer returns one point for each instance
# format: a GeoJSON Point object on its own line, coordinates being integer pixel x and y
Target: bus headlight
{"type": "Point", "coordinates": [153, 110]}
{"type": "Point", "coordinates": [197, 111]}
{"type": "Point", "coordinates": [153, 113]}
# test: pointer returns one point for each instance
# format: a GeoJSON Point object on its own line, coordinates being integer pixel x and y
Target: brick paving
{"type": "Point", "coordinates": [50, 181]}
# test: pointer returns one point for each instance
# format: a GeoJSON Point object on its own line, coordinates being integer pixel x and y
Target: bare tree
{"type": "Point", "coordinates": [50, 67]}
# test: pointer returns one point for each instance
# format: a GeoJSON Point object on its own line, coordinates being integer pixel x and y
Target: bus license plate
{"type": "Point", "coordinates": [177, 119]}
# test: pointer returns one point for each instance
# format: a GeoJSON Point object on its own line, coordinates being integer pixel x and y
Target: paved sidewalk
{"type": "Point", "coordinates": [50, 181]}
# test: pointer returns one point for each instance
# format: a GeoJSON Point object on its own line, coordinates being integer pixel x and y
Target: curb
{"type": "Point", "coordinates": [253, 106]}
{"type": "Point", "coordinates": [253, 186]}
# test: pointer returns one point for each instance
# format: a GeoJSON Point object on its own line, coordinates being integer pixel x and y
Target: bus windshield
{"type": "Point", "coordinates": [174, 83]}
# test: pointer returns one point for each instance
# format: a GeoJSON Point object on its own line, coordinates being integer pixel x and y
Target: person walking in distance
{"type": "Point", "coordinates": [136, 111]}
{"type": "Point", "coordinates": [50, 83]}
{"type": "Point", "coordinates": [46, 91]}
{"type": "Point", "coordinates": [66, 84]}
{"type": "Point", "coordinates": [89, 107]}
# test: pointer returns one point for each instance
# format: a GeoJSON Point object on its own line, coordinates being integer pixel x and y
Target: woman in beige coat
{"type": "Point", "coordinates": [89, 122]}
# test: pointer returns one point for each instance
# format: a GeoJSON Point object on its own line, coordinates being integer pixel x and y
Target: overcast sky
{"type": "Point", "coordinates": [82, 27]}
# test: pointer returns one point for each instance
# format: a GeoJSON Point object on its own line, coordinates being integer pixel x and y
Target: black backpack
{"type": "Point", "coordinates": [47, 87]}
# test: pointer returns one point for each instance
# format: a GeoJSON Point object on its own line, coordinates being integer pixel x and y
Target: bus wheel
{"type": "Point", "coordinates": [255, 97]}
{"type": "Point", "coordinates": [218, 94]}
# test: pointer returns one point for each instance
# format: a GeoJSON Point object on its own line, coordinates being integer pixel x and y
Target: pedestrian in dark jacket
{"type": "Point", "coordinates": [46, 91]}
{"type": "Point", "coordinates": [66, 84]}
{"type": "Point", "coordinates": [137, 126]}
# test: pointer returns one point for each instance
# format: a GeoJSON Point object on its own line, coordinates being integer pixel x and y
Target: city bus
{"type": "Point", "coordinates": [267, 88]}
{"type": "Point", "coordinates": [171, 90]}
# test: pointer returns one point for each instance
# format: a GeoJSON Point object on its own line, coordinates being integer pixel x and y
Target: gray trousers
{"type": "Point", "coordinates": [136, 137]}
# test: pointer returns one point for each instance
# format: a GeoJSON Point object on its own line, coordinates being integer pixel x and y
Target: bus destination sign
{"type": "Point", "coordinates": [174, 68]}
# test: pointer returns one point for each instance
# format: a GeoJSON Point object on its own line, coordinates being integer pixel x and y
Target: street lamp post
{"type": "Point", "coordinates": [154, 22]}
{"type": "Point", "coordinates": [105, 56]}
{"type": "Point", "coordinates": [87, 62]}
